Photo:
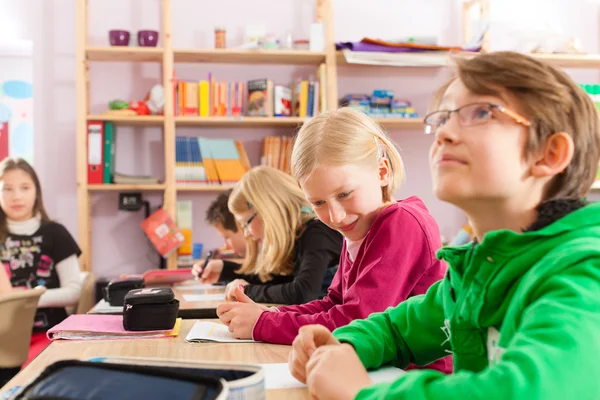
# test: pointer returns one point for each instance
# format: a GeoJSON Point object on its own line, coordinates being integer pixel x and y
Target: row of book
{"type": "Point", "coordinates": [380, 104]}
{"type": "Point", "coordinates": [257, 98]}
{"type": "Point", "coordinates": [277, 152]}
{"type": "Point", "coordinates": [203, 161]}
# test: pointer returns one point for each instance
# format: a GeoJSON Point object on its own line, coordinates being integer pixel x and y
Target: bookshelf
{"type": "Point", "coordinates": [167, 56]}
{"type": "Point", "coordinates": [441, 59]}
{"type": "Point", "coordinates": [139, 54]}
{"type": "Point", "coordinates": [236, 56]}
{"type": "Point", "coordinates": [149, 120]}
{"type": "Point", "coordinates": [121, 187]}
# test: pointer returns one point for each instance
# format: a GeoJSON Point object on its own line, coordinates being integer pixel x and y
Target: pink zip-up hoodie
{"type": "Point", "coordinates": [395, 261]}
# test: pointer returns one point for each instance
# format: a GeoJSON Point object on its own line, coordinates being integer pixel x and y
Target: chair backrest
{"type": "Point", "coordinates": [87, 300]}
{"type": "Point", "coordinates": [17, 309]}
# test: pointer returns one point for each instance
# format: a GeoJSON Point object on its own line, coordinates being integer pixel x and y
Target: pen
{"type": "Point", "coordinates": [208, 257]}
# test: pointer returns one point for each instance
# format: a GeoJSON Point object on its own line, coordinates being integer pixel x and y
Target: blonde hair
{"type": "Point", "coordinates": [279, 201]}
{"type": "Point", "coordinates": [345, 136]}
{"type": "Point", "coordinates": [552, 102]}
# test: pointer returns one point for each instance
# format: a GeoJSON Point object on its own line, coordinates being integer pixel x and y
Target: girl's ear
{"type": "Point", "coordinates": [555, 157]}
{"type": "Point", "coordinates": [384, 170]}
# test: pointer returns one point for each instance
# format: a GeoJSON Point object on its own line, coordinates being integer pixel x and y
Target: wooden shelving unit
{"type": "Point", "coordinates": [167, 56]}
{"type": "Point", "coordinates": [146, 120]}
{"type": "Point", "coordinates": [236, 56]}
{"type": "Point", "coordinates": [125, 188]}
{"type": "Point", "coordinates": [205, 188]}
{"type": "Point", "coordinates": [288, 122]}
{"type": "Point", "coordinates": [442, 59]}
{"type": "Point", "coordinates": [124, 54]}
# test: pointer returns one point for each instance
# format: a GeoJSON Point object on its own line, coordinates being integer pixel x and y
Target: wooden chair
{"type": "Point", "coordinates": [17, 309]}
{"type": "Point", "coordinates": [87, 300]}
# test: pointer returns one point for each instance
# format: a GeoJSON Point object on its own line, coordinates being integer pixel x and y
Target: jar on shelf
{"type": "Point", "coordinates": [220, 38]}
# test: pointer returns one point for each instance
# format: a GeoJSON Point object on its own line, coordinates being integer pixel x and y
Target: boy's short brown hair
{"type": "Point", "coordinates": [218, 213]}
{"type": "Point", "coordinates": [551, 101]}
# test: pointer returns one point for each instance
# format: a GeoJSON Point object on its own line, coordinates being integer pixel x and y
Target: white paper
{"type": "Point", "coordinates": [278, 376]}
{"type": "Point", "coordinates": [203, 331]}
{"type": "Point", "coordinates": [204, 297]}
{"type": "Point", "coordinates": [104, 307]}
{"type": "Point", "coordinates": [199, 286]}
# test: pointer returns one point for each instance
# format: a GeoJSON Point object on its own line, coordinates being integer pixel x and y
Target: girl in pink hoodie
{"type": "Point", "coordinates": [349, 170]}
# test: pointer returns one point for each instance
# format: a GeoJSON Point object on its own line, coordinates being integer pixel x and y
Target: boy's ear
{"type": "Point", "coordinates": [555, 156]}
{"type": "Point", "coordinates": [384, 171]}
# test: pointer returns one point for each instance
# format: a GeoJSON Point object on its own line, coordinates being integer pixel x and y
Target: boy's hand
{"type": "Point", "coordinates": [336, 372]}
{"type": "Point", "coordinates": [240, 317]}
{"type": "Point", "coordinates": [309, 338]}
{"type": "Point", "coordinates": [211, 273]}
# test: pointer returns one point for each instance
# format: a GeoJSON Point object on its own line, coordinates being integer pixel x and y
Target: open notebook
{"type": "Point", "coordinates": [203, 331]}
{"type": "Point", "coordinates": [97, 327]}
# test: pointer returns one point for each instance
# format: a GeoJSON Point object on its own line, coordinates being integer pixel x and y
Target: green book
{"type": "Point", "coordinates": [109, 152]}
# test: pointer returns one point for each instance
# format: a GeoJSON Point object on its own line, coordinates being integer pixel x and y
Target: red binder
{"type": "Point", "coordinates": [3, 140]}
{"type": "Point", "coordinates": [95, 142]}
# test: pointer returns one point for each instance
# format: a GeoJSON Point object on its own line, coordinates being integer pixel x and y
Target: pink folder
{"type": "Point", "coordinates": [97, 326]}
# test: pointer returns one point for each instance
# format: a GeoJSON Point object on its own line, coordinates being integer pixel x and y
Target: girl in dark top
{"type": "Point", "coordinates": [291, 256]}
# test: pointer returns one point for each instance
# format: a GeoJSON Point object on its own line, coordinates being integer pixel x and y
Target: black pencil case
{"type": "Point", "coordinates": [150, 309]}
{"type": "Point", "coordinates": [115, 291]}
{"type": "Point", "coordinates": [73, 379]}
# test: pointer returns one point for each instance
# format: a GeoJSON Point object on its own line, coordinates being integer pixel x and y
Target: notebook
{"type": "Point", "coordinates": [203, 332]}
{"type": "Point", "coordinates": [278, 376]}
{"type": "Point", "coordinates": [98, 327]}
{"type": "Point", "coordinates": [104, 308]}
{"type": "Point", "coordinates": [204, 297]}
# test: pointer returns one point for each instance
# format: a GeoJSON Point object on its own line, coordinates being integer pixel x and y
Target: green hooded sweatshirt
{"type": "Point", "coordinates": [520, 312]}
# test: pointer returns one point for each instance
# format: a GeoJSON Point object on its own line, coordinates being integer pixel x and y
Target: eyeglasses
{"type": "Point", "coordinates": [469, 115]}
{"type": "Point", "coordinates": [245, 225]}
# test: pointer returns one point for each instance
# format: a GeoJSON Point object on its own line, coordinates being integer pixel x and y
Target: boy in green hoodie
{"type": "Point", "coordinates": [516, 145]}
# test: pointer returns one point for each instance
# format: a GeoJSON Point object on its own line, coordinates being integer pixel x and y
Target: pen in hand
{"type": "Point", "coordinates": [208, 257]}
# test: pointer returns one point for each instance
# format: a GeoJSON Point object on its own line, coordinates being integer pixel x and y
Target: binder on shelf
{"type": "Point", "coordinates": [95, 138]}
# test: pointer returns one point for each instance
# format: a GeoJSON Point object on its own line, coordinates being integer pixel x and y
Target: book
{"type": "Point", "coordinates": [133, 179]}
{"type": "Point", "coordinates": [260, 98]}
{"type": "Point", "coordinates": [282, 99]}
{"type": "Point", "coordinates": [109, 152]}
{"type": "Point", "coordinates": [204, 331]}
{"type": "Point", "coordinates": [102, 327]}
{"type": "Point", "coordinates": [162, 232]}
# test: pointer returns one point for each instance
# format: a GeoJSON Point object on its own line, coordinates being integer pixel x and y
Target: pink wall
{"type": "Point", "coordinates": [119, 244]}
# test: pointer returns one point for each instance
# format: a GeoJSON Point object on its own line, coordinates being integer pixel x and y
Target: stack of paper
{"type": "Point", "coordinates": [204, 297]}
{"type": "Point", "coordinates": [203, 332]}
{"type": "Point", "coordinates": [104, 308]}
{"type": "Point", "coordinates": [278, 376]}
{"type": "Point", "coordinates": [98, 327]}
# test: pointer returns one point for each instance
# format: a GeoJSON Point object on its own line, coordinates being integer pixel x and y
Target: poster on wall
{"type": "Point", "coordinates": [16, 99]}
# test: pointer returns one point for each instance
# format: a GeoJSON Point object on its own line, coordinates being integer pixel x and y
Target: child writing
{"type": "Point", "coordinates": [516, 144]}
{"type": "Point", "coordinates": [219, 217]}
{"type": "Point", "coordinates": [349, 170]}
{"type": "Point", "coordinates": [35, 250]}
{"type": "Point", "coordinates": [290, 255]}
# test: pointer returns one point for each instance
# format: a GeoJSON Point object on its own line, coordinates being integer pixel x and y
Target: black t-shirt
{"type": "Point", "coordinates": [30, 261]}
{"type": "Point", "coordinates": [316, 257]}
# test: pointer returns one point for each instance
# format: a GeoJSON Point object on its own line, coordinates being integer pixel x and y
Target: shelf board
{"type": "Point", "coordinates": [442, 59]}
{"type": "Point", "coordinates": [400, 123]}
{"type": "Point", "coordinates": [596, 185]}
{"type": "Point", "coordinates": [242, 56]}
{"type": "Point", "coordinates": [240, 121]}
{"type": "Point", "coordinates": [156, 120]}
{"type": "Point", "coordinates": [124, 53]}
{"type": "Point", "coordinates": [124, 187]}
{"type": "Point", "coordinates": [203, 188]}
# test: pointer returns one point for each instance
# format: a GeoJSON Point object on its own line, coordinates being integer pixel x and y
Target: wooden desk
{"type": "Point", "coordinates": [172, 348]}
